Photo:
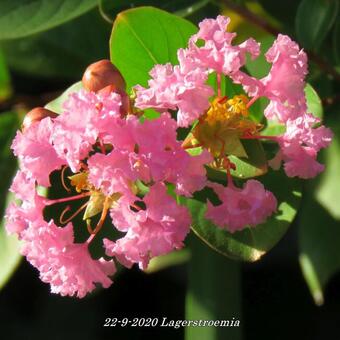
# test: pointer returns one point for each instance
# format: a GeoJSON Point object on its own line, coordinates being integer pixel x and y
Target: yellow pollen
{"type": "Point", "coordinates": [227, 110]}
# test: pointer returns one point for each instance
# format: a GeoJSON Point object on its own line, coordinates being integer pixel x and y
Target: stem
{"type": "Point", "coordinates": [67, 199]}
{"type": "Point", "coordinates": [214, 293]}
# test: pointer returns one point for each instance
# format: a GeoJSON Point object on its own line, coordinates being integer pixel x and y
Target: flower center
{"type": "Point", "coordinates": [227, 111]}
{"type": "Point", "coordinates": [219, 130]}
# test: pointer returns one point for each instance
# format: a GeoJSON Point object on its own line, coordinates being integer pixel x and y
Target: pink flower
{"type": "Point", "coordinates": [240, 208]}
{"type": "Point", "coordinates": [300, 144]}
{"type": "Point", "coordinates": [303, 129]}
{"type": "Point", "coordinates": [300, 160]}
{"type": "Point", "coordinates": [151, 152]}
{"type": "Point", "coordinates": [157, 230]}
{"type": "Point", "coordinates": [170, 89]}
{"type": "Point", "coordinates": [112, 173]}
{"type": "Point", "coordinates": [15, 221]}
{"type": "Point", "coordinates": [217, 54]}
{"type": "Point", "coordinates": [18, 218]}
{"type": "Point", "coordinates": [284, 85]}
{"type": "Point", "coordinates": [86, 117]}
{"type": "Point", "coordinates": [67, 266]}
{"type": "Point", "coordinates": [35, 151]}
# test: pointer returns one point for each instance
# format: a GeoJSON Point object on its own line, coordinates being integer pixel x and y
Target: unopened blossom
{"type": "Point", "coordinates": [240, 208]}
{"type": "Point", "coordinates": [156, 230]}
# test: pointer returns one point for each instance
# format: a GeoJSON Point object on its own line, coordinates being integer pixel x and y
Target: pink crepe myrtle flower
{"type": "Point", "coordinates": [127, 170]}
{"type": "Point", "coordinates": [157, 230]}
{"type": "Point", "coordinates": [112, 173]}
{"type": "Point", "coordinates": [19, 217]}
{"type": "Point", "coordinates": [217, 53]}
{"type": "Point", "coordinates": [300, 144]}
{"type": "Point", "coordinates": [66, 266]}
{"type": "Point", "coordinates": [240, 208]}
{"type": "Point", "coordinates": [150, 157]}
{"type": "Point", "coordinates": [35, 151]}
{"type": "Point", "coordinates": [86, 117]}
{"type": "Point", "coordinates": [170, 89]}
{"type": "Point", "coordinates": [284, 85]}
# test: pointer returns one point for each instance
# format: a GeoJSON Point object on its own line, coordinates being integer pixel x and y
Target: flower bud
{"type": "Point", "coordinates": [101, 74]}
{"type": "Point", "coordinates": [36, 115]}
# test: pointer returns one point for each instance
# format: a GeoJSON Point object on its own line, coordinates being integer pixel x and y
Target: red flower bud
{"type": "Point", "coordinates": [101, 74]}
{"type": "Point", "coordinates": [36, 115]}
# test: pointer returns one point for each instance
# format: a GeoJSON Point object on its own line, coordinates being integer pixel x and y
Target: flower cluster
{"type": "Point", "coordinates": [124, 172]}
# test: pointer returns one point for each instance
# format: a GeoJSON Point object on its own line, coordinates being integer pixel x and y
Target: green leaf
{"type": "Point", "coordinates": [328, 190]}
{"type": "Point", "coordinates": [260, 67]}
{"type": "Point", "coordinates": [63, 52]}
{"type": "Point", "coordinates": [252, 166]}
{"type": "Point", "coordinates": [5, 81]}
{"type": "Point", "coordinates": [314, 19]}
{"type": "Point", "coordinates": [20, 18]}
{"type": "Point", "coordinates": [255, 164]}
{"type": "Point", "coordinates": [314, 104]}
{"type": "Point", "coordinates": [319, 240]}
{"type": "Point", "coordinates": [56, 105]}
{"type": "Point", "coordinates": [146, 36]}
{"type": "Point", "coordinates": [252, 243]}
{"type": "Point", "coordinates": [9, 255]}
{"type": "Point", "coordinates": [214, 292]}
{"type": "Point", "coordinates": [165, 261]}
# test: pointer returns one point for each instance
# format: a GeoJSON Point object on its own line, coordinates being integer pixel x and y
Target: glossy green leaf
{"type": "Point", "coordinates": [319, 241]}
{"type": "Point", "coordinates": [314, 19]}
{"type": "Point", "coordinates": [252, 166]}
{"type": "Point", "coordinates": [252, 243]}
{"type": "Point", "coordinates": [146, 36]}
{"type": "Point", "coordinates": [255, 164]}
{"type": "Point", "coordinates": [56, 105]}
{"type": "Point", "coordinates": [63, 52]}
{"type": "Point", "coordinates": [5, 81]}
{"type": "Point", "coordinates": [20, 18]}
{"type": "Point", "coordinates": [9, 254]}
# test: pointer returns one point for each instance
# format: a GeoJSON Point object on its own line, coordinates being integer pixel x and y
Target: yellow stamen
{"type": "Point", "coordinates": [227, 111]}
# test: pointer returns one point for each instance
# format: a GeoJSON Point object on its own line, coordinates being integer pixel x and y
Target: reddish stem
{"type": "Point", "coordinates": [252, 101]}
{"type": "Point", "coordinates": [67, 199]}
